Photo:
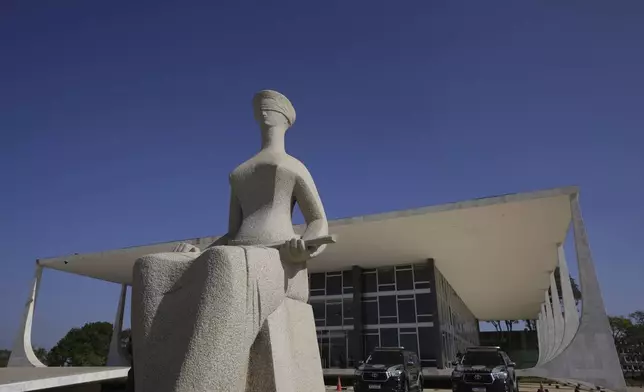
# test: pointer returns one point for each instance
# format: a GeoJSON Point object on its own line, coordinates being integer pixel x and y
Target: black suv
{"type": "Point", "coordinates": [390, 369]}
{"type": "Point", "coordinates": [484, 369]}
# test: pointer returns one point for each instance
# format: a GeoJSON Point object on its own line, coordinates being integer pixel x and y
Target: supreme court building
{"type": "Point", "coordinates": [423, 279]}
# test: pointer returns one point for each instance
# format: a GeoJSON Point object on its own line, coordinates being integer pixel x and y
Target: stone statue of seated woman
{"type": "Point", "coordinates": [235, 317]}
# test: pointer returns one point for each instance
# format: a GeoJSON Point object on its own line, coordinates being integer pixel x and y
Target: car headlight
{"type": "Point", "coordinates": [394, 371]}
{"type": "Point", "coordinates": [358, 372]}
{"type": "Point", "coordinates": [500, 375]}
{"type": "Point", "coordinates": [457, 374]}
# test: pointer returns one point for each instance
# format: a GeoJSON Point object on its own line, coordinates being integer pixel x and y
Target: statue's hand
{"type": "Point", "coordinates": [186, 247]}
{"type": "Point", "coordinates": [295, 251]}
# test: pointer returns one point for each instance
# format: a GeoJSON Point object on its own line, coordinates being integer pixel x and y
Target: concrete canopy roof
{"type": "Point", "coordinates": [496, 252]}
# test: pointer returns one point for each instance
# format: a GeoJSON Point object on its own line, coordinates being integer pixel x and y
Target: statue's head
{"type": "Point", "coordinates": [273, 109]}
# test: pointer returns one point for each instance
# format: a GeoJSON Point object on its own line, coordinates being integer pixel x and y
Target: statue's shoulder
{"type": "Point", "coordinates": [296, 166]}
{"type": "Point", "coordinates": [299, 169]}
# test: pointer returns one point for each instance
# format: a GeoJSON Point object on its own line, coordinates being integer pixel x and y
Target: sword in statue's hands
{"type": "Point", "coordinates": [311, 244]}
{"type": "Point", "coordinates": [298, 250]}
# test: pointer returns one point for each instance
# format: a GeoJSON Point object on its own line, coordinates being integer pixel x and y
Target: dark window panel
{"type": "Point", "coordinates": [333, 314]}
{"type": "Point", "coordinates": [388, 320]}
{"type": "Point", "coordinates": [334, 285]}
{"type": "Point", "coordinates": [402, 267]}
{"type": "Point", "coordinates": [320, 323]}
{"type": "Point", "coordinates": [370, 312]}
{"type": "Point", "coordinates": [406, 312]}
{"type": "Point", "coordinates": [369, 283]}
{"type": "Point", "coordinates": [408, 330]}
{"type": "Point", "coordinates": [404, 280]}
{"type": "Point", "coordinates": [386, 276]}
{"type": "Point", "coordinates": [425, 340]}
{"type": "Point", "coordinates": [387, 287]}
{"type": "Point", "coordinates": [421, 273]}
{"type": "Point", "coordinates": [410, 296]}
{"type": "Point", "coordinates": [318, 310]}
{"type": "Point", "coordinates": [323, 344]}
{"type": "Point", "coordinates": [425, 319]}
{"type": "Point", "coordinates": [389, 337]}
{"type": "Point", "coordinates": [428, 363]}
{"type": "Point", "coordinates": [351, 349]}
{"type": "Point", "coordinates": [370, 342]}
{"type": "Point", "coordinates": [423, 304]}
{"type": "Point", "coordinates": [422, 285]}
{"type": "Point", "coordinates": [387, 305]}
{"type": "Point", "coordinates": [347, 290]}
{"type": "Point", "coordinates": [347, 311]}
{"type": "Point", "coordinates": [368, 331]}
{"type": "Point", "coordinates": [317, 281]}
{"type": "Point", "coordinates": [338, 352]}
{"type": "Point", "coordinates": [315, 293]}
{"type": "Point", "coordinates": [409, 342]}
{"type": "Point", "coordinates": [347, 278]}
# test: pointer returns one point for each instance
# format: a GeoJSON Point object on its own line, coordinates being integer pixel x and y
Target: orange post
{"type": "Point", "coordinates": [339, 387]}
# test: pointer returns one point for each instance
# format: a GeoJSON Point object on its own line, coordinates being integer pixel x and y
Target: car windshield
{"type": "Point", "coordinates": [482, 358]}
{"type": "Point", "coordinates": [385, 358]}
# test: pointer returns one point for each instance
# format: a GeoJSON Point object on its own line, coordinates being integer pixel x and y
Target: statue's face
{"type": "Point", "coordinates": [271, 118]}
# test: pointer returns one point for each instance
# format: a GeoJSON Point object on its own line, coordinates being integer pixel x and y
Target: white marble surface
{"type": "Point", "coordinates": [21, 379]}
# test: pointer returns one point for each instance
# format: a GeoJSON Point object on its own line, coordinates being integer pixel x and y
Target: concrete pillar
{"type": "Point", "coordinates": [356, 309]}
{"type": "Point", "coordinates": [571, 316]}
{"type": "Point", "coordinates": [540, 333]}
{"type": "Point", "coordinates": [439, 350]}
{"type": "Point", "coordinates": [591, 356]}
{"type": "Point", "coordinates": [116, 356]}
{"type": "Point", "coordinates": [22, 352]}
{"type": "Point", "coordinates": [557, 316]}
{"type": "Point", "coordinates": [550, 327]}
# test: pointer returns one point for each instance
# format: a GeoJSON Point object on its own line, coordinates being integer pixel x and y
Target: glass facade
{"type": "Point", "coordinates": [413, 306]}
{"type": "Point", "coordinates": [394, 307]}
{"type": "Point", "coordinates": [458, 326]}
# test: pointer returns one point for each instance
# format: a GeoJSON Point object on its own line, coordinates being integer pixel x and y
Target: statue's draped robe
{"type": "Point", "coordinates": [197, 318]}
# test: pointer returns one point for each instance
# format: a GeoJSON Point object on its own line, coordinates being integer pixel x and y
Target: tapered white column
{"type": "Point", "coordinates": [540, 338]}
{"type": "Point", "coordinates": [116, 357]}
{"type": "Point", "coordinates": [571, 316]}
{"type": "Point", "coordinates": [22, 352]}
{"type": "Point", "coordinates": [550, 325]}
{"type": "Point", "coordinates": [557, 316]}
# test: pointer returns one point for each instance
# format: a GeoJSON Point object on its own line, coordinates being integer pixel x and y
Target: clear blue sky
{"type": "Point", "coordinates": [121, 120]}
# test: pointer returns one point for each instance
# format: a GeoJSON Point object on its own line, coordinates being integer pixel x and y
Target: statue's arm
{"type": "Point", "coordinates": [234, 221]}
{"type": "Point", "coordinates": [308, 199]}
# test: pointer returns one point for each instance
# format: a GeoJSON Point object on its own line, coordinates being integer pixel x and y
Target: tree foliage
{"type": "Point", "coordinates": [4, 357]}
{"type": "Point", "coordinates": [628, 332]}
{"type": "Point", "coordinates": [85, 346]}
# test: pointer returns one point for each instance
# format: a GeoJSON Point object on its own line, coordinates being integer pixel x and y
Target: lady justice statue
{"type": "Point", "coordinates": [234, 317]}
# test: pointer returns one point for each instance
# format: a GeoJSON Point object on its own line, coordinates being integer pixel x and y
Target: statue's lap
{"type": "Point", "coordinates": [179, 298]}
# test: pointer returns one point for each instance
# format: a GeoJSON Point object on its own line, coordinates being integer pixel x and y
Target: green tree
{"type": "Point", "coordinates": [86, 346]}
{"type": "Point", "coordinates": [4, 357]}
{"type": "Point", "coordinates": [621, 328]}
{"type": "Point", "coordinates": [41, 354]}
{"type": "Point", "coordinates": [637, 317]}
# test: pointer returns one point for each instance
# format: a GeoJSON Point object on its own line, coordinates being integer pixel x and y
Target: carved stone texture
{"type": "Point", "coordinates": [234, 317]}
